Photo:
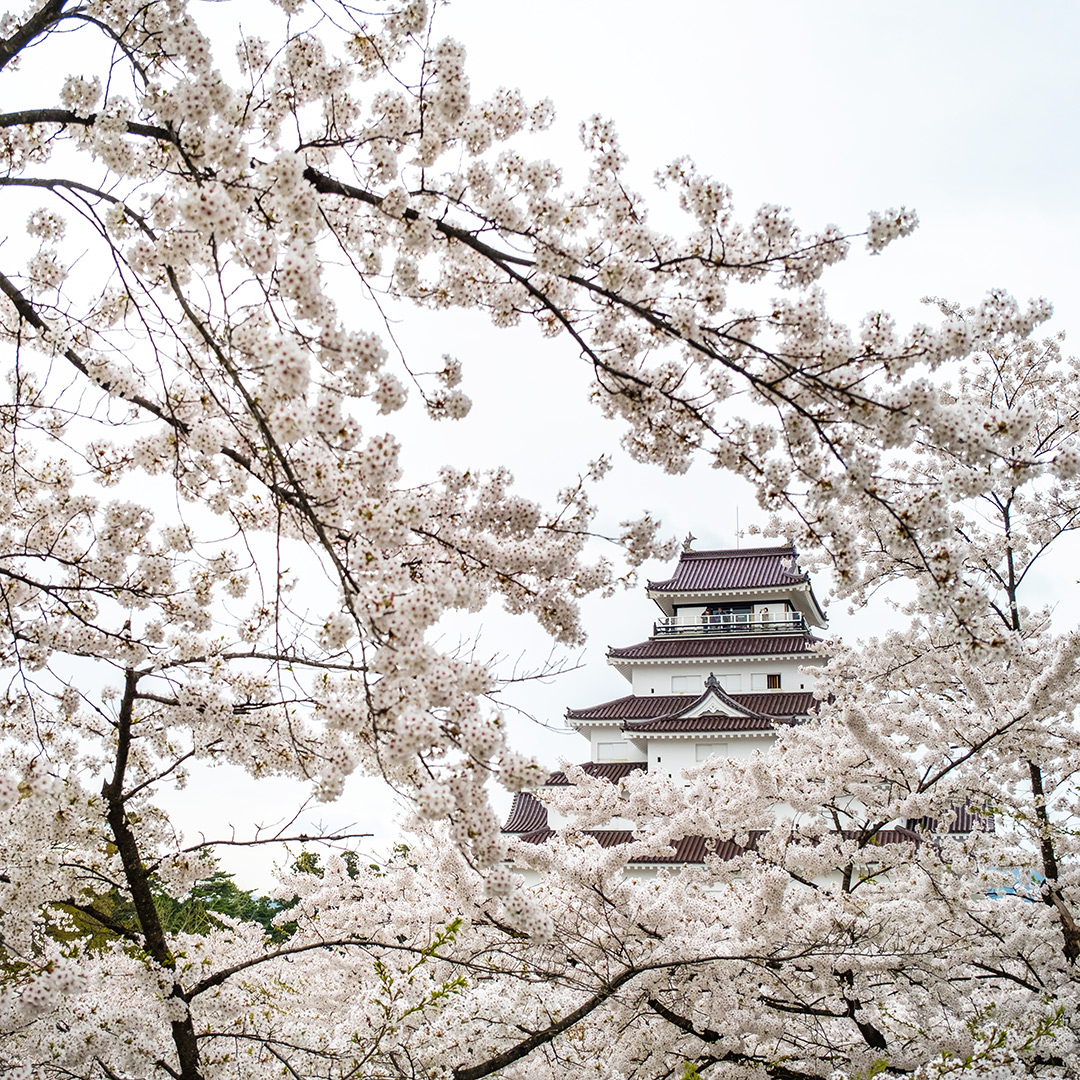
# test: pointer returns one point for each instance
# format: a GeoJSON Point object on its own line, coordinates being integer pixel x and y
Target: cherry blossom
{"type": "Point", "coordinates": [211, 553]}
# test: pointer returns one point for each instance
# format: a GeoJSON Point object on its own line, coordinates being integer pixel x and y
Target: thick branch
{"type": "Point", "coordinates": [66, 116]}
{"type": "Point", "coordinates": [46, 16]}
{"type": "Point", "coordinates": [1052, 894]}
{"type": "Point", "coordinates": [681, 1022]}
{"type": "Point", "coordinates": [541, 1038]}
{"type": "Point", "coordinates": [138, 880]}
{"type": "Point", "coordinates": [100, 917]}
{"type": "Point", "coordinates": [870, 1034]}
{"type": "Point", "coordinates": [707, 1035]}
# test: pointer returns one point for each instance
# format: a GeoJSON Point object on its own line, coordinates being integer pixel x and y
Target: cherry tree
{"type": "Point", "coordinates": [892, 890]}
{"type": "Point", "coordinates": [178, 315]}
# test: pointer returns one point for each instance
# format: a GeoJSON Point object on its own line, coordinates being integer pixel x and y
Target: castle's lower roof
{"type": "Point", "coordinates": [605, 770]}
{"type": "Point", "coordinates": [694, 724]}
{"type": "Point", "coordinates": [527, 815]}
{"type": "Point", "coordinates": [634, 708]}
{"type": "Point", "coordinates": [529, 821]}
{"type": "Point", "coordinates": [688, 850]}
{"type": "Point", "coordinates": [696, 849]}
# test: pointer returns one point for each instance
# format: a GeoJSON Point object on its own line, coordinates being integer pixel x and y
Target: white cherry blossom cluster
{"type": "Point", "coordinates": [886, 227]}
{"type": "Point", "coordinates": [81, 94]}
{"type": "Point", "coordinates": [264, 587]}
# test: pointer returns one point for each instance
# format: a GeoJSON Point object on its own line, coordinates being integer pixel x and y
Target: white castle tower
{"type": "Point", "coordinates": [720, 671]}
{"type": "Point", "coordinates": [729, 661]}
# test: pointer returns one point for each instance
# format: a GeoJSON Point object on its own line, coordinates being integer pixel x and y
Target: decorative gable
{"type": "Point", "coordinates": [715, 702]}
{"type": "Point", "coordinates": [630, 710]}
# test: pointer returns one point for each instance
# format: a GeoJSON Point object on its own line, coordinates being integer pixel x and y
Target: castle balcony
{"type": "Point", "coordinates": [740, 623]}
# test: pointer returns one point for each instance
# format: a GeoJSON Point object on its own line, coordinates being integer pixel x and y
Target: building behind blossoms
{"type": "Point", "coordinates": [729, 662]}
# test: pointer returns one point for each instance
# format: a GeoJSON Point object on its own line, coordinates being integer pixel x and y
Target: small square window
{"type": "Point", "coordinates": [704, 751]}
{"type": "Point", "coordinates": [611, 751]}
{"type": "Point", "coordinates": [773, 682]}
{"type": "Point", "coordinates": [686, 684]}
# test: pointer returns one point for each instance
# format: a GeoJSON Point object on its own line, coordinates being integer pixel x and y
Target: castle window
{"type": "Point", "coordinates": [759, 680]}
{"type": "Point", "coordinates": [686, 684]}
{"type": "Point", "coordinates": [737, 613]}
{"type": "Point", "coordinates": [611, 751]}
{"type": "Point", "coordinates": [705, 750]}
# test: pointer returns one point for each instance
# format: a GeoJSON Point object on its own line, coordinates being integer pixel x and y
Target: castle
{"type": "Point", "coordinates": [729, 661]}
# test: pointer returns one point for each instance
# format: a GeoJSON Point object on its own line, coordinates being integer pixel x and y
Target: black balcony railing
{"type": "Point", "coordinates": [708, 625]}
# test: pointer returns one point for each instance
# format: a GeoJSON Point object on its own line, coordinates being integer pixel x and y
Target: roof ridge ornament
{"type": "Point", "coordinates": [686, 544]}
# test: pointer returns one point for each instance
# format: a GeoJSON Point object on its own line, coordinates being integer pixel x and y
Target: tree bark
{"type": "Point", "coordinates": [138, 882]}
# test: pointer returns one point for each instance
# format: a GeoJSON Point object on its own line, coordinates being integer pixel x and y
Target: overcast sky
{"type": "Point", "coordinates": [965, 111]}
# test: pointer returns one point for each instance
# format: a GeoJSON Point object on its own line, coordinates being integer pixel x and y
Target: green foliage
{"type": "Point", "coordinates": [307, 862]}
{"type": "Point", "coordinates": [218, 894]}
{"type": "Point", "coordinates": [98, 920]}
{"type": "Point", "coordinates": [390, 998]}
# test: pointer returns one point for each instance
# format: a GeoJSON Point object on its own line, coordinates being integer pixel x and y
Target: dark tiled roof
{"type": "Point", "coordinates": [653, 706]}
{"type": "Point", "coordinates": [888, 836]}
{"type": "Point", "coordinates": [526, 815]}
{"type": "Point", "coordinates": [964, 820]}
{"type": "Point", "coordinates": [708, 722]}
{"type": "Point", "coordinates": [695, 849]}
{"type": "Point", "coordinates": [632, 707]}
{"type": "Point", "coordinates": [703, 648]}
{"type": "Point", "coordinates": [606, 770]}
{"type": "Point", "coordinates": [799, 703]}
{"type": "Point", "coordinates": [744, 568]}
{"type": "Point", "coordinates": [690, 849]}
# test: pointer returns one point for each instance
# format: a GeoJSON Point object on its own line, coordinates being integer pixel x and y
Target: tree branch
{"type": "Point", "coordinates": [732, 1057]}
{"type": "Point", "coordinates": [540, 1038]}
{"type": "Point", "coordinates": [46, 16]}
{"type": "Point", "coordinates": [66, 116]}
{"type": "Point", "coordinates": [138, 880]}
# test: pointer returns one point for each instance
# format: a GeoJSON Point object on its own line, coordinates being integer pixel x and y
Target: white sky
{"type": "Point", "coordinates": [965, 111]}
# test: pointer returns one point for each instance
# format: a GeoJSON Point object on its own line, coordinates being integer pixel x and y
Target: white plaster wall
{"type": "Point", "coordinates": [608, 733]}
{"type": "Point", "coordinates": [656, 678]}
{"type": "Point", "coordinates": [672, 756]}
{"type": "Point", "coordinates": [749, 745]}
